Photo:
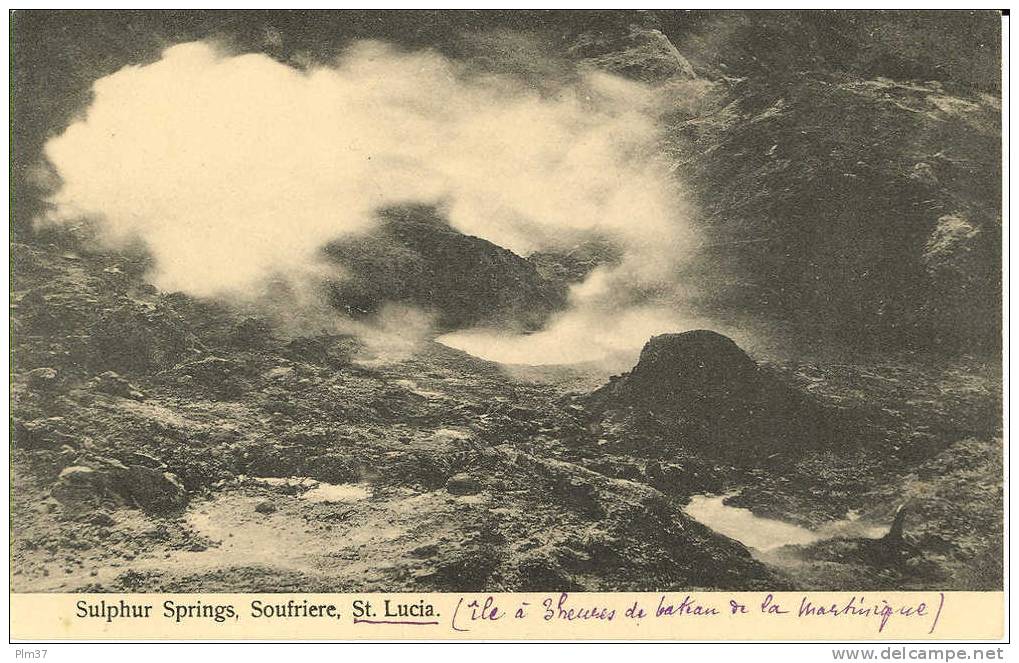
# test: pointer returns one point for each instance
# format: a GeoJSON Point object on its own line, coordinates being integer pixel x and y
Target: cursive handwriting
{"type": "Point", "coordinates": [572, 608]}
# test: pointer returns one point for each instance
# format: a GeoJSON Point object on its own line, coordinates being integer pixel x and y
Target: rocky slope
{"type": "Point", "coordinates": [415, 258]}
{"type": "Point", "coordinates": [864, 209]}
{"type": "Point", "coordinates": [169, 463]}
{"type": "Point", "coordinates": [852, 183]}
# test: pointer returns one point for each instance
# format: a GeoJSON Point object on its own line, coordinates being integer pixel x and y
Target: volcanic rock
{"type": "Point", "coordinates": [84, 486]}
{"type": "Point", "coordinates": [214, 376]}
{"type": "Point", "coordinates": [416, 258]}
{"type": "Point", "coordinates": [102, 519]}
{"type": "Point", "coordinates": [265, 507]}
{"type": "Point", "coordinates": [133, 339]}
{"type": "Point", "coordinates": [42, 378]}
{"type": "Point", "coordinates": [78, 487]}
{"type": "Point", "coordinates": [931, 278]}
{"type": "Point", "coordinates": [707, 391]}
{"type": "Point", "coordinates": [701, 364]}
{"type": "Point", "coordinates": [640, 52]}
{"type": "Point", "coordinates": [463, 484]}
{"type": "Point", "coordinates": [152, 490]}
{"type": "Point", "coordinates": [113, 384]}
{"type": "Point", "coordinates": [45, 433]}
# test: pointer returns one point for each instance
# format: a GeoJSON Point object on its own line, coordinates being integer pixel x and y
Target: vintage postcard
{"type": "Point", "coordinates": [507, 325]}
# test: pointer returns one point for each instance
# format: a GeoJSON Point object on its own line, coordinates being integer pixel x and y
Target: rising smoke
{"type": "Point", "coordinates": [235, 170]}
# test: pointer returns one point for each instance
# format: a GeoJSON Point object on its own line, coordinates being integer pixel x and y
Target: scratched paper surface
{"type": "Point", "coordinates": [507, 325]}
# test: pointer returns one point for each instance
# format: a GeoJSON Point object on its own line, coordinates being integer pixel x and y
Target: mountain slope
{"type": "Point", "coordinates": [416, 258]}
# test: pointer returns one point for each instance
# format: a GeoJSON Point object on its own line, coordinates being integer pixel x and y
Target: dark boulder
{"type": "Point", "coordinates": [131, 339]}
{"type": "Point", "coordinates": [463, 484]}
{"type": "Point", "coordinates": [48, 433]}
{"type": "Point", "coordinates": [265, 507]}
{"type": "Point", "coordinates": [150, 489]}
{"type": "Point", "coordinates": [111, 383]}
{"type": "Point", "coordinates": [706, 392]}
{"type": "Point", "coordinates": [43, 379]}
{"type": "Point", "coordinates": [79, 488]}
{"type": "Point", "coordinates": [86, 486]}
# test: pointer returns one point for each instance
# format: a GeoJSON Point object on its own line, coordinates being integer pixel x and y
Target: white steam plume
{"type": "Point", "coordinates": [235, 169]}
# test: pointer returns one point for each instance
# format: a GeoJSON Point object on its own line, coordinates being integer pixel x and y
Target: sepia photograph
{"type": "Point", "coordinates": [555, 301]}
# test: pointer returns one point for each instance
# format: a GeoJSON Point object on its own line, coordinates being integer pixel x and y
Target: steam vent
{"type": "Point", "coordinates": [707, 390]}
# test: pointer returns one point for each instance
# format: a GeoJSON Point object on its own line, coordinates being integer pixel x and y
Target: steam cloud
{"type": "Point", "coordinates": [237, 169]}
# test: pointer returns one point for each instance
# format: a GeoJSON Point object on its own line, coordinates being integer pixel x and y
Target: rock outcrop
{"type": "Point", "coordinates": [702, 387]}
{"type": "Point", "coordinates": [83, 487]}
{"type": "Point", "coordinates": [111, 383]}
{"type": "Point", "coordinates": [416, 258]}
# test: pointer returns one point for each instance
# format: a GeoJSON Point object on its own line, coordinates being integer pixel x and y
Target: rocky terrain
{"type": "Point", "coordinates": [163, 443]}
{"type": "Point", "coordinates": [845, 170]}
{"type": "Point", "coordinates": [700, 388]}
{"type": "Point", "coordinates": [416, 258]}
{"type": "Point", "coordinates": [186, 466]}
